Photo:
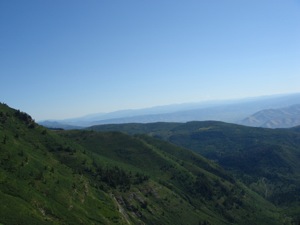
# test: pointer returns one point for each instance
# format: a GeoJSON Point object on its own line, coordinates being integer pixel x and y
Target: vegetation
{"type": "Point", "coordinates": [266, 160]}
{"type": "Point", "coordinates": [88, 177]}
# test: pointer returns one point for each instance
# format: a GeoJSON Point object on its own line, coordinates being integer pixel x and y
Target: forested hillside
{"type": "Point", "coordinates": [266, 160]}
{"type": "Point", "coordinates": [86, 177]}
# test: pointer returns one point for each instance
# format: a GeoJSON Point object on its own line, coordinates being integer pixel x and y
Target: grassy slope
{"type": "Point", "coordinates": [83, 177]}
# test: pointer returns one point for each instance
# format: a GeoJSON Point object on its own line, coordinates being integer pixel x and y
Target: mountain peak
{"type": "Point", "coordinates": [275, 118]}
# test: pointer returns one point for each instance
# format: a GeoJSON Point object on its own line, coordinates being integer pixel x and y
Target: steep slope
{"type": "Point", "coordinates": [36, 187]}
{"type": "Point", "coordinates": [267, 160]}
{"type": "Point", "coordinates": [275, 118]}
{"type": "Point", "coordinates": [85, 177]}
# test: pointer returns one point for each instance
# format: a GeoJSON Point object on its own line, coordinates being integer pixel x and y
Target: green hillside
{"type": "Point", "coordinates": [36, 187]}
{"type": "Point", "coordinates": [87, 177]}
{"type": "Point", "coordinates": [266, 160]}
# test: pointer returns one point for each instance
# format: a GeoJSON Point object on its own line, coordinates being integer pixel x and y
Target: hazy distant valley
{"type": "Point", "coordinates": [249, 112]}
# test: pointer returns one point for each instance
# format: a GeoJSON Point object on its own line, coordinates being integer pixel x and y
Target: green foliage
{"type": "Point", "coordinates": [36, 188]}
{"type": "Point", "coordinates": [86, 177]}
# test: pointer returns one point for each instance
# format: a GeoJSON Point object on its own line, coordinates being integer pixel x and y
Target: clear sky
{"type": "Point", "coordinates": [68, 58]}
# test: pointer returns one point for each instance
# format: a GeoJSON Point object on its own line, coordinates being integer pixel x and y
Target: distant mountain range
{"type": "Point", "coordinates": [275, 118]}
{"type": "Point", "coordinates": [233, 111]}
{"type": "Point", "coordinates": [58, 125]}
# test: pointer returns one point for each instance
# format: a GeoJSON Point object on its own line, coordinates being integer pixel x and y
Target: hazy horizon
{"type": "Point", "coordinates": [66, 59]}
{"type": "Point", "coordinates": [204, 103]}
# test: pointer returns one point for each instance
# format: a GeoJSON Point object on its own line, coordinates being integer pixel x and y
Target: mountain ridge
{"type": "Point", "coordinates": [275, 118]}
{"type": "Point", "coordinates": [227, 111]}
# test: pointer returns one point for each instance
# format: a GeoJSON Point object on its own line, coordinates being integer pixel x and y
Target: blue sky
{"type": "Point", "coordinates": [67, 58]}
